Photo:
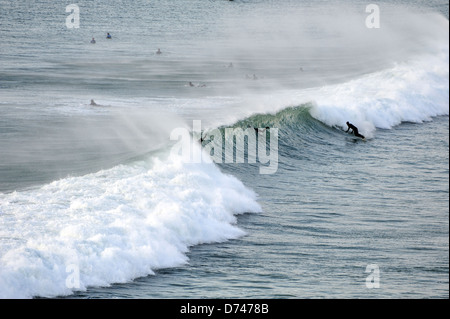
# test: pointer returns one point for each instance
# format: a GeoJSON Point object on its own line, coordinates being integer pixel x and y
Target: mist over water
{"type": "Point", "coordinates": [47, 147]}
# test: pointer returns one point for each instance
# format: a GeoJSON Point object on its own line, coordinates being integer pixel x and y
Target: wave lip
{"type": "Point", "coordinates": [114, 225]}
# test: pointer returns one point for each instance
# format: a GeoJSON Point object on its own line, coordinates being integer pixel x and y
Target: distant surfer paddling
{"type": "Point", "coordinates": [93, 103]}
{"type": "Point", "coordinates": [354, 130]}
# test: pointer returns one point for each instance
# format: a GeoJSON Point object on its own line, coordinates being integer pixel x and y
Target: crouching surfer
{"type": "Point", "coordinates": [354, 130]}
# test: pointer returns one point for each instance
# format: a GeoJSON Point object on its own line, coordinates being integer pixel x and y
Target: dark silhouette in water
{"type": "Point", "coordinates": [354, 130]}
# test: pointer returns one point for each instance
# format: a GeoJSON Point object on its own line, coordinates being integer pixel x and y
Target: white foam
{"type": "Point", "coordinates": [114, 225]}
{"type": "Point", "coordinates": [409, 92]}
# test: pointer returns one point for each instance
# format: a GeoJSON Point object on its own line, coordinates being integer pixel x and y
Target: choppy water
{"type": "Point", "coordinates": [94, 194]}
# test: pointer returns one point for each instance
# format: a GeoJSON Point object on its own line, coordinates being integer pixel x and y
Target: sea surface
{"type": "Point", "coordinates": [140, 195]}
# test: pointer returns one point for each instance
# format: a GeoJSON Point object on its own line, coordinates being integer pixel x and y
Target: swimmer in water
{"type": "Point", "coordinates": [158, 52]}
{"type": "Point", "coordinates": [93, 41]}
{"type": "Point", "coordinates": [93, 103]}
{"type": "Point", "coordinates": [108, 36]}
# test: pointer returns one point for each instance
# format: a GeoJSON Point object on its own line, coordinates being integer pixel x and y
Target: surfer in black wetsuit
{"type": "Point", "coordinates": [354, 130]}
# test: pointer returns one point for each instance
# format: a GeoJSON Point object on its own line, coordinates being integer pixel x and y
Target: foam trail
{"type": "Point", "coordinates": [114, 225]}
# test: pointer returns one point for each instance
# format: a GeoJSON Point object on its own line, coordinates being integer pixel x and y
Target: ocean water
{"type": "Point", "coordinates": [101, 202]}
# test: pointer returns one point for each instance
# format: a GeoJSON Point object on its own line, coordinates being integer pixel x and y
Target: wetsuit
{"type": "Point", "coordinates": [354, 129]}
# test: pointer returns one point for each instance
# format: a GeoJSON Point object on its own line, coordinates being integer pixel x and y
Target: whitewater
{"type": "Point", "coordinates": [94, 197]}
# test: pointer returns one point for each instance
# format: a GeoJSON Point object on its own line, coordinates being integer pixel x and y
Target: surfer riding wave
{"type": "Point", "coordinates": [354, 130]}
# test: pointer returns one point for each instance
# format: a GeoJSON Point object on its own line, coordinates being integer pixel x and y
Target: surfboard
{"type": "Point", "coordinates": [356, 138]}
